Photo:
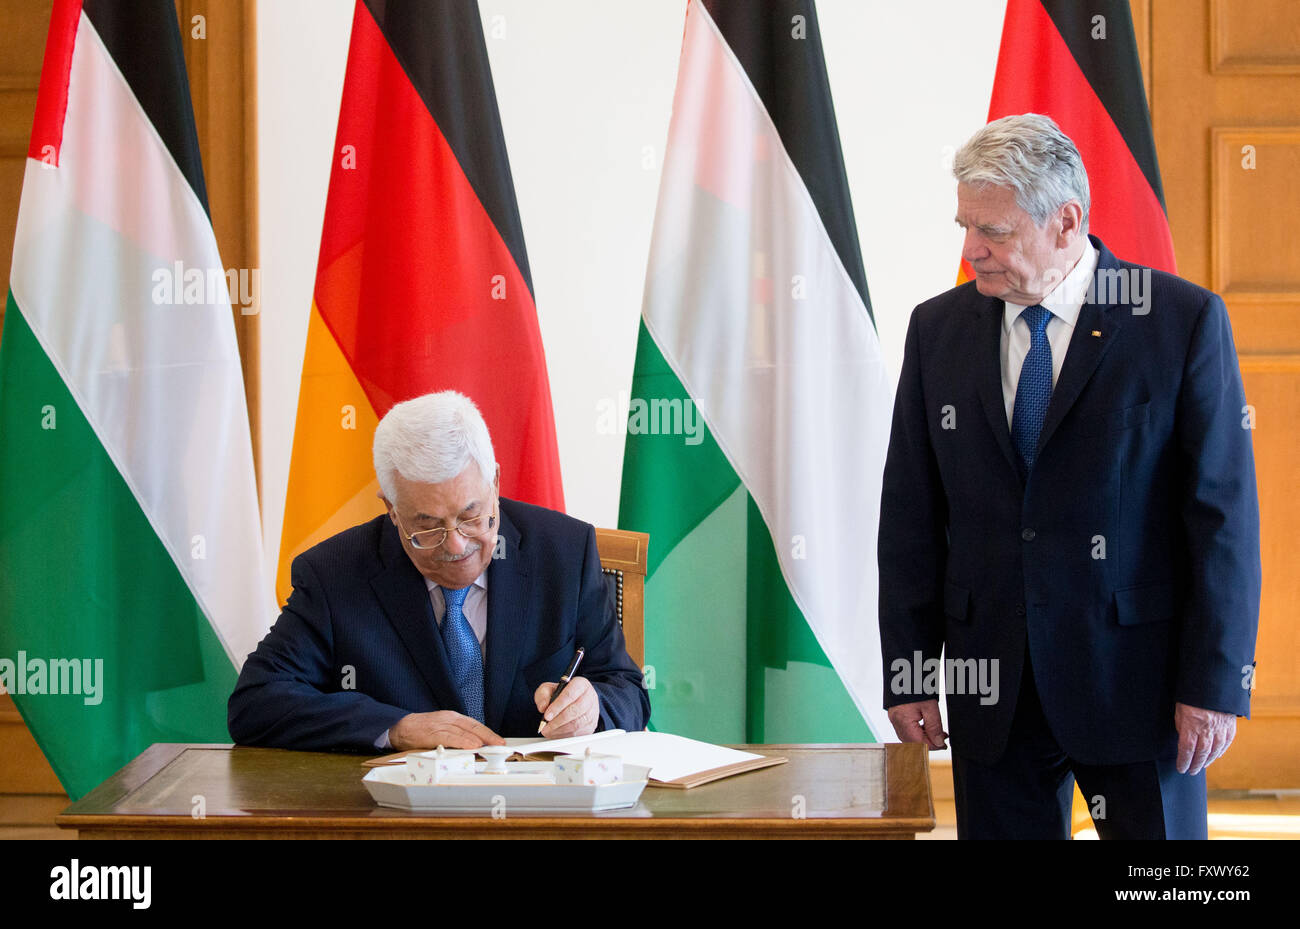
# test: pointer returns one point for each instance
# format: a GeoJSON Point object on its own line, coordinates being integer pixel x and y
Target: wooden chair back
{"type": "Point", "coordinates": [624, 558]}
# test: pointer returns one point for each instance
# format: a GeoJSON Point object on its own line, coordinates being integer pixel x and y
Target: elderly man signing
{"type": "Point", "coordinates": [447, 621]}
{"type": "Point", "coordinates": [1069, 507]}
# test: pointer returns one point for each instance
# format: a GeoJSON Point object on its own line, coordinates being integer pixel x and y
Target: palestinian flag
{"type": "Point", "coordinates": [1078, 63]}
{"type": "Point", "coordinates": [422, 283]}
{"type": "Point", "coordinates": [759, 415]}
{"type": "Point", "coordinates": [131, 584]}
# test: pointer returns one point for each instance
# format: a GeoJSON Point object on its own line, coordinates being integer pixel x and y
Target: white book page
{"type": "Point", "coordinates": [579, 743]}
{"type": "Point", "coordinates": [668, 756]}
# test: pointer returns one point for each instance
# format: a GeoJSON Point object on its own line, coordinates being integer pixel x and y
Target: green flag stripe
{"type": "Point", "coordinates": [781, 640]}
{"type": "Point", "coordinates": [725, 601]}
{"type": "Point", "coordinates": [83, 576]}
{"type": "Point", "coordinates": [669, 487]}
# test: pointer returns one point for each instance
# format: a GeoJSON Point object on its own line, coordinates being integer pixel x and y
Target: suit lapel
{"type": "Point", "coordinates": [401, 591]}
{"type": "Point", "coordinates": [1085, 351]}
{"type": "Point", "coordinates": [988, 340]}
{"type": "Point", "coordinates": [507, 625]}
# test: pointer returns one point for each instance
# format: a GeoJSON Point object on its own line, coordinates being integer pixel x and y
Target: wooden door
{"type": "Point", "coordinates": [1225, 92]}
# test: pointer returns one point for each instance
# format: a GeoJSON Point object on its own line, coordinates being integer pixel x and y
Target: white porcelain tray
{"type": "Point", "coordinates": [527, 786]}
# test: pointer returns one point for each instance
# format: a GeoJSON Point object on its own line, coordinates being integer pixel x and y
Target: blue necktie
{"type": "Point", "coordinates": [463, 651]}
{"type": "Point", "coordinates": [1034, 389]}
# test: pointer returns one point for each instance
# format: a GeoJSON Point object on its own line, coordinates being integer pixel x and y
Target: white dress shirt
{"type": "Point", "coordinates": [1064, 303]}
{"type": "Point", "coordinates": [475, 610]}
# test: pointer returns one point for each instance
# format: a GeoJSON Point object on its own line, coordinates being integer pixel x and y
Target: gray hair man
{"type": "Point", "coordinates": [449, 620]}
{"type": "Point", "coordinates": [1031, 404]}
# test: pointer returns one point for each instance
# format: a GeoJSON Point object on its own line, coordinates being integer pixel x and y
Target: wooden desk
{"type": "Point", "coordinates": [847, 791]}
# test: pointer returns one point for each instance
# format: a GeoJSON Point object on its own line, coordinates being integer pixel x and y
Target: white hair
{"type": "Point", "coordinates": [1030, 155]}
{"type": "Point", "coordinates": [432, 439]}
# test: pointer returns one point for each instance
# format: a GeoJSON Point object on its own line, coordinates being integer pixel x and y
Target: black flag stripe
{"type": "Point", "coordinates": [782, 55]}
{"type": "Point", "coordinates": [440, 45]}
{"type": "Point", "coordinates": [145, 43]}
{"type": "Point", "coordinates": [1113, 70]}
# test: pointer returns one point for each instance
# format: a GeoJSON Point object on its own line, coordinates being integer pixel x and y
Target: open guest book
{"type": "Point", "coordinates": [673, 760]}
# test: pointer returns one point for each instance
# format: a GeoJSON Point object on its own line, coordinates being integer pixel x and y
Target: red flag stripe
{"type": "Point", "coordinates": [1036, 73]}
{"type": "Point", "coordinates": [415, 282]}
{"type": "Point", "coordinates": [52, 98]}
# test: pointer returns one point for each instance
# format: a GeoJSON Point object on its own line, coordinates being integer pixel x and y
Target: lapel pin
{"type": "Point", "coordinates": [1097, 333]}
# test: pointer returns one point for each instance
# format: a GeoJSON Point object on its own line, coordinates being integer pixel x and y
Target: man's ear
{"type": "Point", "coordinates": [387, 506]}
{"type": "Point", "coordinates": [1070, 218]}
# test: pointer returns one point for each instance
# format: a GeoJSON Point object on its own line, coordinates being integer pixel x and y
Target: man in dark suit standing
{"type": "Point", "coordinates": [1069, 514]}
{"type": "Point", "coordinates": [447, 621]}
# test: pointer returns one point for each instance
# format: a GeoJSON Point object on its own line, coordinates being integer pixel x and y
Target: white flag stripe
{"type": "Point", "coordinates": [751, 306]}
{"type": "Point", "coordinates": [160, 384]}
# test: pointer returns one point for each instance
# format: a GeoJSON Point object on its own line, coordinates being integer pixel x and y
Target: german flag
{"type": "Point", "coordinates": [422, 282]}
{"type": "Point", "coordinates": [1078, 63]}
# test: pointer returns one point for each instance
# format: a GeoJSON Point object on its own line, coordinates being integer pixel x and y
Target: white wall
{"type": "Point", "coordinates": [585, 90]}
{"type": "Point", "coordinates": [302, 49]}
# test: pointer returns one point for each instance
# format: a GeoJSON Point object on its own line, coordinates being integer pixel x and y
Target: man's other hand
{"type": "Point", "coordinates": [444, 727]}
{"type": "Point", "coordinates": [576, 712]}
{"type": "Point", "coordinates": [1203, 735]}
{"type": "Point", "coordinates": [919, 722]}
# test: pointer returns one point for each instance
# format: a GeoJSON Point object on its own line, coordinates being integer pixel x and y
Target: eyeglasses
{"type": "Point", "coordinates": [426, 539]}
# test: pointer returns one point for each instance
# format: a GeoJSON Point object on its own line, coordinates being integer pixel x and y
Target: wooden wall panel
{"type": "Point", "coordinates": [1254, 257]}
{"type": "Point", "coordinates": [1259, 37]}
{"type": "Point", "coordinates": [1255, 253]}
{"type": "Point", "coordinates": [23, 24]}
{"type": "Point", "coordinates": [1267, 747]}
{"type": "Point", "coordinates": [1273, 389]}
{"type": "Point", "coordinates": [23, 769]}
{"type": "Point", "coordinates": [1225, 78]}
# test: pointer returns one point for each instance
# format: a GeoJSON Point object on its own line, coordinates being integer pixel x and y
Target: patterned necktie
{"type": "Point", "coordinates": [1034, 389]}
{"type": "Point", "coordinates": [463, 651]}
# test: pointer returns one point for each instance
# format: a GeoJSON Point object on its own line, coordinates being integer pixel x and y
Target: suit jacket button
{"type": "Point", "coordinates": [1020, 609]}
{"type": "Point", "coordinates": [1028, 535]}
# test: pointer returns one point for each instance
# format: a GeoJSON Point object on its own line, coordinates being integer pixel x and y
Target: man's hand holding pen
{"type": "Point", "coordinates": [576, 711]}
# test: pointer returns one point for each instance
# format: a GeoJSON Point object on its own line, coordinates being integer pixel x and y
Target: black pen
{"type": "Point", "coordinates": [564, 682]}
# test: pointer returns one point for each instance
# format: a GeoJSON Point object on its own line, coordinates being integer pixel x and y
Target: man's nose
{"type": "Point", "coordinates": [455, 543]}
{"type": "Point", "coordinates": [973, 247]}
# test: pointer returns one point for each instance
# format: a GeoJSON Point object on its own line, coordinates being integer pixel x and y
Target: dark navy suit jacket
{"type": "Point", "coordinates": [360, 614]}
{"type": "Point", "coordinates": [1144, 450]}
